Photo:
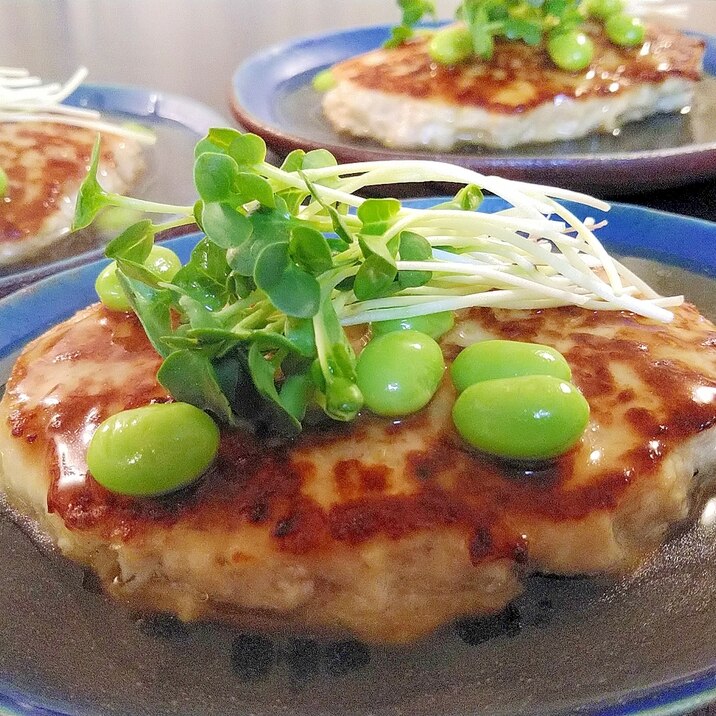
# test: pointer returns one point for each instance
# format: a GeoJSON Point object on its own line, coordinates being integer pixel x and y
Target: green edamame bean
{"type": "Point", "coordinates": [534, 417]}
{"type": "Point", "coordinates": [604, 9]}
{"type": "Point", "coordinates": [324, 80]}
{"type": "Point", "coordinates": [451, 45]}
{"type": "Point", "coordinates": [488, 360]}
{"type": "Point", "coordinates": [110, 290]}
{"type": "Point", "coordinates": [153, 450]}
{"type": "Point", "coordinates": [162, 262]}
{"type": "Point", "coordinates": [434, 324]}
{"type": "Point", "coordinates": [624, 30]}
{"type": "Point", "coordinates": [570, 51]}
{"type": "Point", "coordinates": [399, 372]}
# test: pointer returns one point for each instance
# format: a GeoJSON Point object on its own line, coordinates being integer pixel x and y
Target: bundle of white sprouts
{"type": "Point", "coordinates": [24, 98]}
{"type": "Point", "coordinates": [534, 254]}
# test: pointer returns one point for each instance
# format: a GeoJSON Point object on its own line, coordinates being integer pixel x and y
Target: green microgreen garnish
{"type": "Point", "coordinates": [3, 182]}
{"type": "Point", "coordinates": [554, 24]}
{"type": "Point", "coordinates": [251, 328]}
{"type": "Point", "coordinates": [413, 11]}
{"type": "Point", "coordinates": [92, 199]}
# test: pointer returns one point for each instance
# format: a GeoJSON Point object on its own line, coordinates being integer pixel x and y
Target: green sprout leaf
{"type": "Point", "coordinates": [299, 331]}
{"type": "Point", "coordinates": [376, 274]}
{"type": "Point", "coordinates": [413, 12]}
{"type": "Point", "coordinates": [318, 159]}
{"type": "Point", "coordinates": [414, 247]}
{"type": "Point", "coordinates": [3, 182]}
{"type": "Point", "coordinates": [251, 187]}
{"type": "Point", "coordinates": [205, 277]}
{"type": "Point", "coordinates": [309, 249]}
{"type": "Point", "coordinates": [398, 35]}
{"type": "Point", "coordinates": [215, 176]}
{"type": "Point", "coordinates": [293, 161]}
{"type": "Point", "coordinates": [91, 198]}
{"type": "Point", "coordinates": [268, 226]}
{"type": "Point", "coordinates": [153, 308]}
{"type": "Point", "coordinates": [296, 393]}
{"type": "Point", "coordinates": [374, 278]}
{"type": "Point", "coordinates": [376, 215]}
{"type": "Point", "coordinates": [342, 398]}
{"type": "Point", "coordinates": [468, 198]}
{"type": "Point", "coordinates": [190, 377]}
{"type": "Point", "coordinates": [343, 232]}
{"type": "Point", "coordinates": [249, 150]}
{"type": "Point", "coordinates": [518, 29]}
{"type": "Point", "coordinates": [263, 369]}
{"type": "Point", "coordinates": [134, 243]}
{"type": "Point", "coordinates": [225, 225]}
{"type": "Point", "coordinates": [291, 289]}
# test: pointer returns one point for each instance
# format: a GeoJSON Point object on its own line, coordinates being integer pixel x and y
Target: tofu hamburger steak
{"type": "Point", "coordinates": [552, 83]}
{"type": "Point", "coordinates": [45, 164]}
{"type": "Point", "coordinates": [366, 479]}
{"type": "Point", "coordinates": [45, 149]}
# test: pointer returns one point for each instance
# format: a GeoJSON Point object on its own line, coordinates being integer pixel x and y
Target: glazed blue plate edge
{"type": "Point", "coordinates": [146, 102]}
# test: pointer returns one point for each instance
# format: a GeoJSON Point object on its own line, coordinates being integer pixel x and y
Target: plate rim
{"type": "Point", "coordinates": [667, 698]}
{"type": "Point", "coordinates": [673, 165]}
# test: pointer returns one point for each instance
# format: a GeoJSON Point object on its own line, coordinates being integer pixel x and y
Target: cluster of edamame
{"type": "Point", "coordinates": [516, 400]}
{"type": "Point", "coordinates": [567, 45]}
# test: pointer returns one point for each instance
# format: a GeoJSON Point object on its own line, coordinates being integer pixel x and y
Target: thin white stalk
{"type": "Point", "coordinates": [140, 135]}
{"type": "Point", "coordinates": [24, 99]}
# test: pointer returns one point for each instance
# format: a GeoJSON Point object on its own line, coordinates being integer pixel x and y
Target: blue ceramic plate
{"type": "Point", "coordinates": [178, 123]}
{"type": "Point", "coordinates": [273, 96]}
{"type": "Point", "coordinates": [645, 645]}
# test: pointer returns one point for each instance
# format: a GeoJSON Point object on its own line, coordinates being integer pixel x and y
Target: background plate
{"type": "Point", "coordinates": [178, 122]}
{"type": "Point", "coordinates": [273, 96]}
{"type": "Point", "coordinates": [644, 645]}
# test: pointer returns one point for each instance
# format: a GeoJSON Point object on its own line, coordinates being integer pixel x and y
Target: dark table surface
{"type": "Point", "coordinates": [192, 48]}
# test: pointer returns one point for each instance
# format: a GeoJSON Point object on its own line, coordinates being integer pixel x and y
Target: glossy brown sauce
{"type": "Point", "coordinates": [518, 77]}
{"type": "Point", "coordinates": [261, 483]}
{"type": "Point", "coordinates": [44, 163]}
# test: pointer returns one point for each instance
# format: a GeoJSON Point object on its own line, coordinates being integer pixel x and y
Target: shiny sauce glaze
{"type": "Point", "coordinates": [519, 78]}
{"type": "Point", "coordinates": [650, 387]}
{"type": "Point", "coordinates": [45, 163]}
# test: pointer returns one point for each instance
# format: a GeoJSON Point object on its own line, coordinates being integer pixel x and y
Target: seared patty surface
{"type": "Point", "coordinates": [385, 529]}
